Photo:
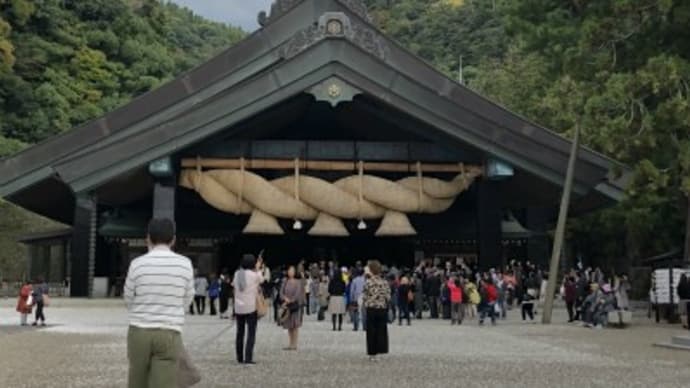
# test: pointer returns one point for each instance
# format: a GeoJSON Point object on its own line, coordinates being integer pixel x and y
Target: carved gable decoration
{"type": "Point", "coordinates": [281, 7]}
{"type": "Point", "coordinates": [336, 25]}
{"type": "Point", "coordinates": [334, 91]}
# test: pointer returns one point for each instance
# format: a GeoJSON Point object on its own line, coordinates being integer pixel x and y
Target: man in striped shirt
{"type": "Point", "coordinates": [159, 286]}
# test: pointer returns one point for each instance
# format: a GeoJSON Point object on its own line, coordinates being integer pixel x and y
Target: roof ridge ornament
{"type": "Point", "coordinates": [359, 8]}
{"type": "Point", "coordinates": [281, 7]}
{"type": "Point", "coordinates": [336, 25]}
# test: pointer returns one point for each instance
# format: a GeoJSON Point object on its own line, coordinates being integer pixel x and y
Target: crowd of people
{"type": "Point", "coordinates": [590, 296]}
{"type": "Point", "coordinates": [454, 291]}
{"type": "Point", "coordinates": [162, 287]}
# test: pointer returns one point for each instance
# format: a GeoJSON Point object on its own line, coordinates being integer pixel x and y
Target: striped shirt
{"type": "Point", "coordinates": [159, 286]}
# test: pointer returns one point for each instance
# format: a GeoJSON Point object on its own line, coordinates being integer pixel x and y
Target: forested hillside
{"type": "Point", "coordinates": [64, 62]}
{"type": "Point", "coordinates": [619, 67]}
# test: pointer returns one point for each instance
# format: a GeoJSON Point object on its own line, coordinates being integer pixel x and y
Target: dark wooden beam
{"type": "Point", "coordinates": [83, 245]}
{"type": "Point", "coordinates": [330, 150]}
{"type": "Point", "coordinates": [489, 217]}
{"type": "Point", "coordinates": [538, 246]}
{"type": "Point", "coordinates": [324, 165]}
{"type": "Point", "coordinates": [164, 201]}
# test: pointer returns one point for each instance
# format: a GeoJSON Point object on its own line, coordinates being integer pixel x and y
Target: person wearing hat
{"type": "Point", "coordinates": [346, 274]}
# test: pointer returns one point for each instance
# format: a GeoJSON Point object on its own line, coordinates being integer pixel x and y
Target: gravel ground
{"type": "Point", "coordinates": [84, 346]}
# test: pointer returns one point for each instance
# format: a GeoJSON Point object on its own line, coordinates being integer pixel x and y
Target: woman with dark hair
{"type": "Point", "coordinates": [246, 285]}
{"type": "Point", "coordinates": [376, 297]}
{"type": "Point", "coordinates": [336, 302]}
{"type": "Point", "coordinates": [293, 297]}
{"type": "Point", "coordinates": [225, 294]}
{"type": "Point", "coordinates": [40, 294]}
{"type": "Point", "coordinates": [684, 303]}
{"type": "Point", "coordinates": [405, 297]}
{"type": "Point", "coordinates": [213, 292]}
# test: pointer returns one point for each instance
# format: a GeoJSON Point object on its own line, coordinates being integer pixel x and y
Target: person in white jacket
{"type": "Point", "coordinates": [159, 286]}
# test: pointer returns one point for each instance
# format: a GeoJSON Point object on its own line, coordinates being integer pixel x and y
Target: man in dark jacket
{"type": "Point", "coordinates": [433, 292]}
{"type": "Point", "coordinates": [570, 297]}
{"type": "Point", "coordinates": [581, 292]}
{"type": "Point", "coordinates": [683, 290]}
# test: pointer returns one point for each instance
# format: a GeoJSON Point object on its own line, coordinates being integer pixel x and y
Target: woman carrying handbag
{"type": "Point", "coordinates": [293, 296]}
{"type": "Point", "coordinates": [246, 283]}
{"type": "Point", "coordinates": [376, 298]}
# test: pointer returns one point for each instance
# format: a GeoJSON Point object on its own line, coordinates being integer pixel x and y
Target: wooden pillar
{"type": "Point", "coordinates": [164, 200]}
{"type": "Point", "coordinates": [83, 250]}
{"type": "Point", "coordinates": [687, 232]}
{"type": "Point", "coordinates": [31, 254]}
{"type": "Point", "coordinates": [538, 247]}
{"type": "Point", "coordinates": [489, 233]}
{"type": "Point", "coordinates": [66, 253]}
{"type": "Point", "coordinates": [58, 272]}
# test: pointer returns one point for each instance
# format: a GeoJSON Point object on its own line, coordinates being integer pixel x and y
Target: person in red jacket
{"type": "Point", "coordinates": [489, 295]}
{"type": "Point", "coordinates": [456, 310]}
{"type": "Point", "coordinates": [24, 305]}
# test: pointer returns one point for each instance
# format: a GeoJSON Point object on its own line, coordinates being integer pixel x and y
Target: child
{"type": "Point", "coordinates": [474, 299]}
{"type": "Point", "coordinates": [489, 296]}
{"type": "Point", "coordinates": [528, 305]}
{"type": "Point", "coordinates": [455, 288]}
{"type": "Point", "coordinates": [25, 302]}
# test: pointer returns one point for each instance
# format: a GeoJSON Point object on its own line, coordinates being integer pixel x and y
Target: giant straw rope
{"type": "Point", "coordinates": [304, 197]}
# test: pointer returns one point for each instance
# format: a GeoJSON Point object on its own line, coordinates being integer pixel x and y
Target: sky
{"type": "Point", "coordinates": [240, 13]}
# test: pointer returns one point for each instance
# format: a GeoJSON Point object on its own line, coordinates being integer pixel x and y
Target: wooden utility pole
{"type": "Point", "coordinates": [560, 229]}
{"type": "Point", "coordinates": [461, 73]}
{"type": "Point", "coordinates": [687, 231]}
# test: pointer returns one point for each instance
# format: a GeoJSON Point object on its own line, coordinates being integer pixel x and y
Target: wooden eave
{"type": "Point", "coordinates": [255, 75]}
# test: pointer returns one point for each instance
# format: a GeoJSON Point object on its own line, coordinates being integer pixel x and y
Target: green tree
{"type": "Point", "coordinates": [65, 62]}
{"type": "Point", "coordinates": [629, 59]}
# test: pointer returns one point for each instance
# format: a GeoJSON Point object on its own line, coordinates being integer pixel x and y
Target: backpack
{"type": "Point", "coordinates": [484, 295]}
{"type": "Point", "coordinates": [491, 293]}
{"type": "Point", "coordinates": [214, 289]}
{"type": "Point", "coordinates": [445, 295]}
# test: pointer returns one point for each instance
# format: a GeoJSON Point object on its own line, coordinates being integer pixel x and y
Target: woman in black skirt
{"type": "Point", "coordinates": [225, 294]}
{"type": "Point", "coordinates": [376, 297]}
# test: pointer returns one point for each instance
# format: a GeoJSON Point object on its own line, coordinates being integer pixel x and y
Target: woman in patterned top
{"type": "Point", "coordinates": [376, 297]}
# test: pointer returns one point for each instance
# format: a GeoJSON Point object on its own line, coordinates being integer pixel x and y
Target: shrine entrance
{"type": "Point", "coordinates": [284, 251]}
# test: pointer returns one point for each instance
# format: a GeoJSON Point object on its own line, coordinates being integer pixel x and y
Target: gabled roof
{"type": "Point", "coordinates": [301, 44]}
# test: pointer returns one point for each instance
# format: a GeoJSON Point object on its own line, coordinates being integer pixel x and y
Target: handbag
{"type": "Point", "coordinates": [30, 301]}
{"type": "Point", "coordinates": [187, 374]}
{"type": "Point", "coordinates": [46, 300]}
{"type": "Point", "coordinates": [283, 314]}
{"type": "Point", "coordinates": [261, 306]}
{"type": "Point", "coordinates": [293, 307]}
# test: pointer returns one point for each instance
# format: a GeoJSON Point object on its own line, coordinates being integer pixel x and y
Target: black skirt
{"type": "Point", "coordinates": [377, 331]}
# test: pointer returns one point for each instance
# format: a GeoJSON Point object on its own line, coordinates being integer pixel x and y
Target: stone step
{"type": "Point", "coordinates": [678, 342]}
{"type": "Point", "coordinates": [681, 340]}
{"type": "Point", "coordinates": [670, 345]}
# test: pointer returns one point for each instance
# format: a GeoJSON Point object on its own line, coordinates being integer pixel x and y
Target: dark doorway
{"type": "Point", "coordinates": [286, 250]}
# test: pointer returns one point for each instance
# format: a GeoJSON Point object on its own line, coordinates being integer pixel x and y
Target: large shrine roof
{"type": "Point", "coordinates": [301, 45]}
